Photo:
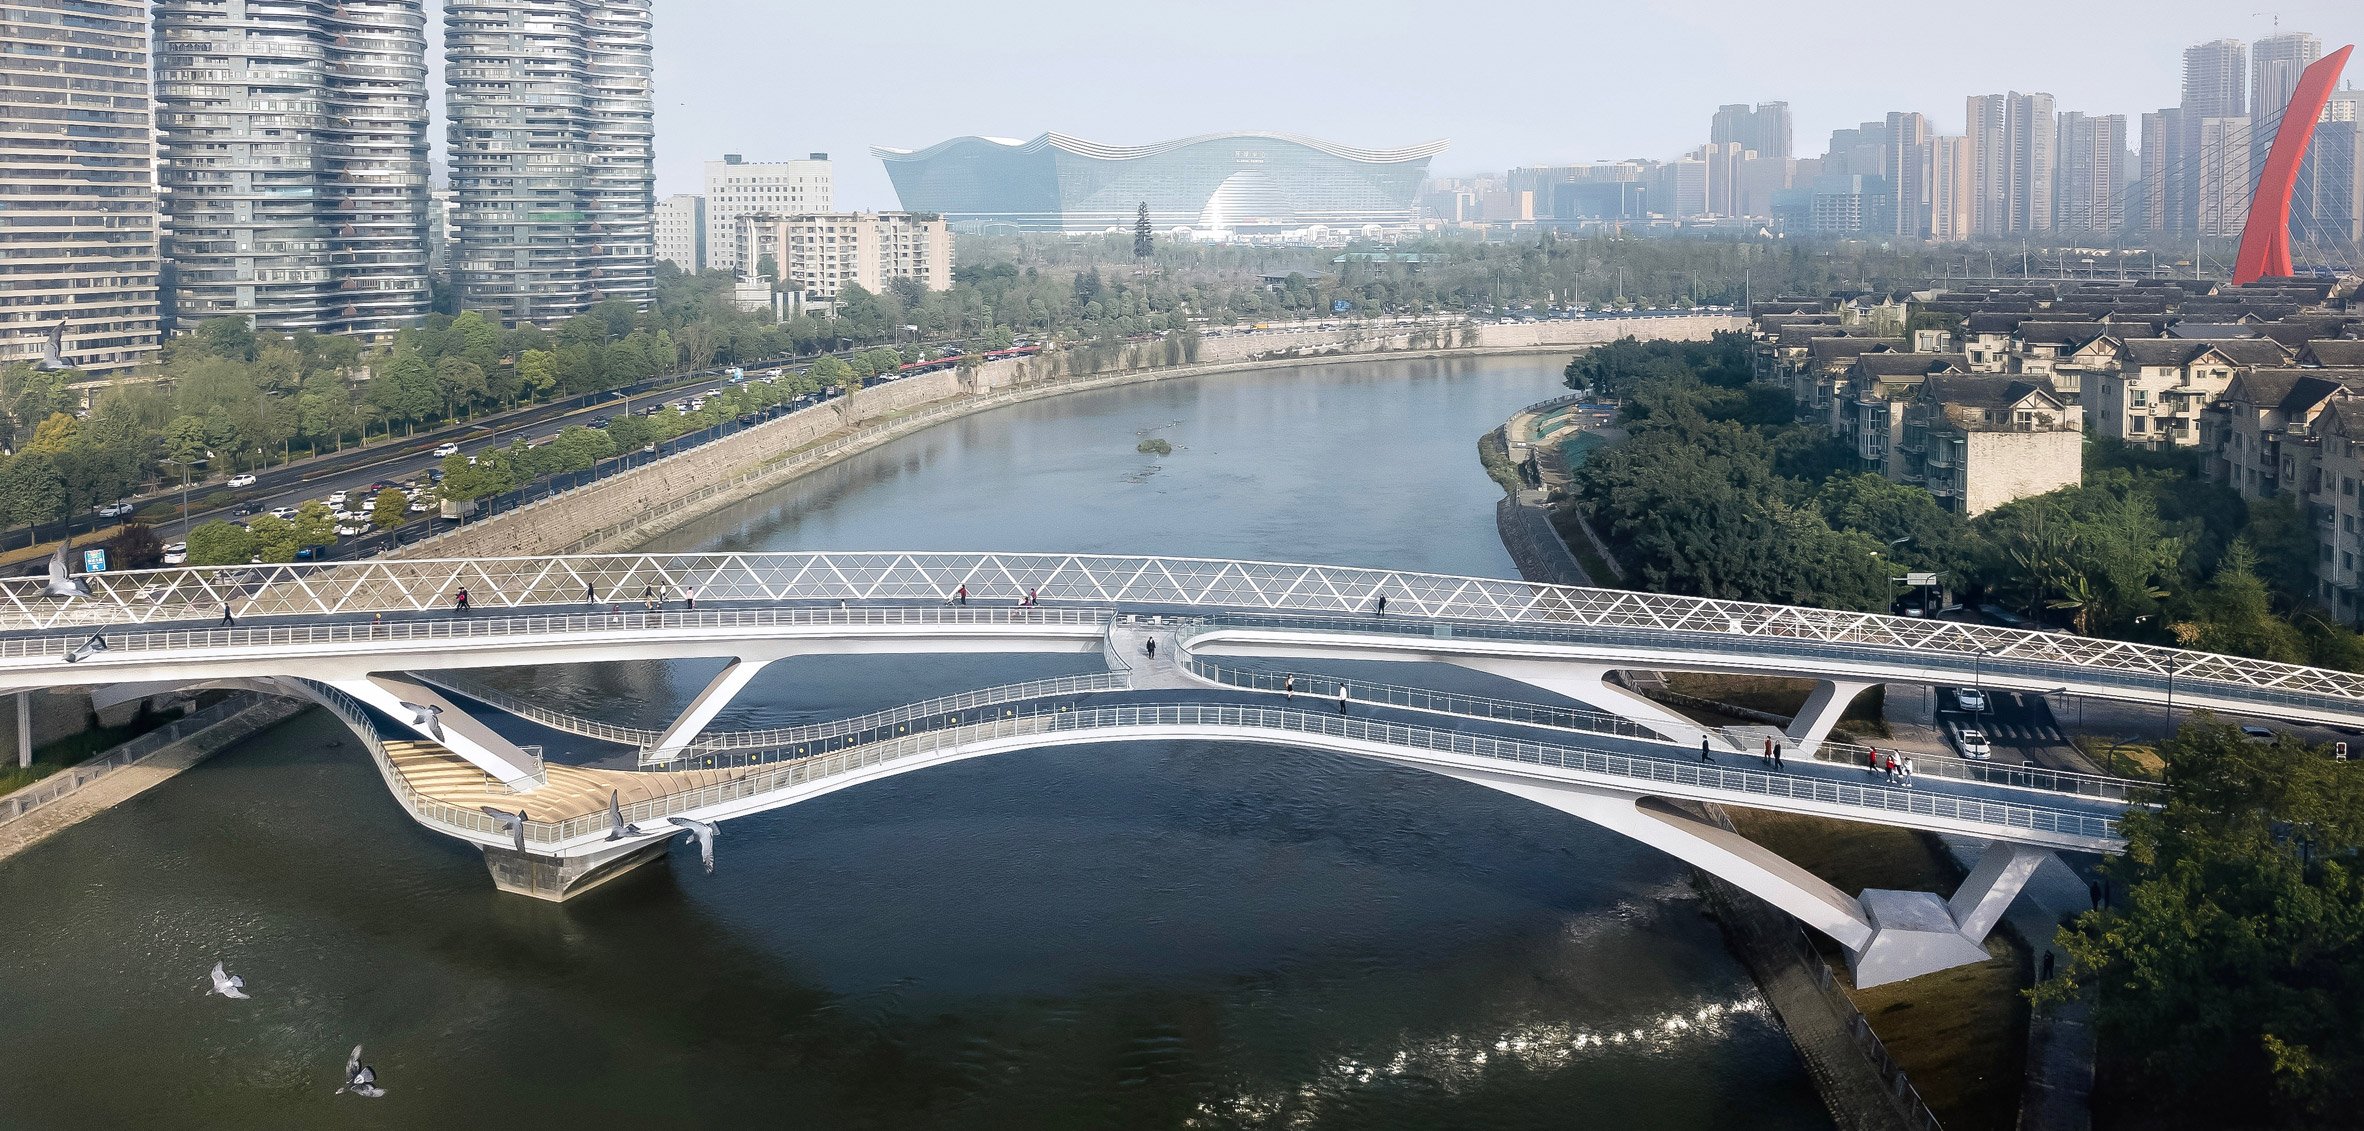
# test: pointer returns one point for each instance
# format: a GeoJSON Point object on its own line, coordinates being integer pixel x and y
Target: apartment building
{"type": "Point", "coordinates": [1879, 387]}
{"type": "Point", "coordinates": [294, 161]}
{"type": "Point", "coordinates": [2155, 396]}
{"type": "Point", "coordinates": [821, 254]}
{"type": "Point", "coordinates": [1978, 441]}
{"type": "Point", "coordinates": [81, 240]}
{"type": "Point", "coordinates": [681, 232]}
{"type": "Point", "coordinates": [552, 160]}
{"type": "Point", "coordinates": [2014, 145]}
{"type": "Point", "coordinates": [737, 187]}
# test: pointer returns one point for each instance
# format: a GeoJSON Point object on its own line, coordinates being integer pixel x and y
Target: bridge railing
{"type": "Point", "coordinates": [1716, 780]}
{"type": "Point", "coordinates": [489, 625]}
{"type": "Point", "coordinates": [2194, 672]}
{"type": "Point", "coordinates": [1598, 722]}
{"type": "Point", "coordinates": [1189, 585]}
{"type": "Point", "coordinates": [720, 743]}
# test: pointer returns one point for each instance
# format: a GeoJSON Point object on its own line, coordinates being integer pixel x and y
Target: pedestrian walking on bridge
{"type": "Point", "coordinates": [1777, 756]}
{"type": "Point", "coordinates": [1341, 698]}
{"type": "Point", "coordinates": [226, 617]}
{"type": "Point", "coordinates": [1703, 749]}
{"type": "Point", "coordinates": [1289, 691]}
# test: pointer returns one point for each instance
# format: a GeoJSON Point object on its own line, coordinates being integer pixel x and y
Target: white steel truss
{"type": "Point", "coordinates": [346, 591]}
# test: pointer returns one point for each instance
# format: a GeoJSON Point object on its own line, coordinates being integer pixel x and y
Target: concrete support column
{"type": "Point", "coordinates": [1589, 684]}
{"type": "Point", "coordinates": [1830, 700]}
{"type": "Point", "coordinates": [1917, 933]}
{"type": "Point", "coordinates": [558, 879]}
{"type": "Point", "coordinates": [724, 687]}
{"type": "Point", "coordinates": [1986, 893]}
{"type": "Point", "coordinates": [24, 729]}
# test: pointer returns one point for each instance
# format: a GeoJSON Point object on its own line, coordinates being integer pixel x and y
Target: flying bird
{"type": "Point", "coordinates": [88, 648]}
{"type": "Point", "coordinates": [705, 831]}
{"type": "Point", "coordinates": [514, 822]}
{"type": "Point", "coordinates": [428, 716]}
{"type": "Point", "coordinates": [227, 985]}
{"type": "Point", "coordinates": [360, 1079]}
{"type": "Point", "coordinates": [62, 582]}
{"type": "Point", "coordinates": [53, 352]}
{"type": "Point", "coordinates": [616, 828]}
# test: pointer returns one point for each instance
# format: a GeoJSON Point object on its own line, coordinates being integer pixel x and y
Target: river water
{"type": "Point", "coordinates": [1134, 936]}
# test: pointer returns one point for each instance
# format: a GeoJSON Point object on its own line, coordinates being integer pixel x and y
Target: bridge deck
{"type": "Point", "coordinates": [573, 791]}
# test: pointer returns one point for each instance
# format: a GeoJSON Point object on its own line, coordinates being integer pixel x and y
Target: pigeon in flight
{"type": "Point", "coordinates": [360, 1079]}
{"type": "Point", "coordinates": [705, 831]}
{"type": "Point", "coordinates": [514, 822]}
{"type": "Point", "coordinates": [62, 582]}
{"type": "Point", "coordinates": [88, 648]}
{"type": "Point", "coordinates": [53, 352]}
{"type": "Point", "coordinates": [428, 716]}
{"type": "Point", "coordinates": [616, 828]}
{"type": "Point", "coordinates": [227, 985]}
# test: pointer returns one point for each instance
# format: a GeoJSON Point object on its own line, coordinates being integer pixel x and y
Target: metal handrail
{"type": "Point", "coordinates": [779, 737]}
{"type": "Point", "coordinates": [1599, 722]}
{"type": "Point", "coordinates": [489, 625]}
{"type": "Point", "coordinates": [1723, 780]}
{"type": "Point", "coordinates": [1436, 603]}
{"type": "Point", "coordinates": [555, 720]}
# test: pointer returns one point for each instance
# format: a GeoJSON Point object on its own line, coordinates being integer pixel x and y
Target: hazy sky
{"type": "Point", "coordinates": [1509, 84]}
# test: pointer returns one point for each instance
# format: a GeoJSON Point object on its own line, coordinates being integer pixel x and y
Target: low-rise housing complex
{"type": "Point", "coordinates": [821, 253]}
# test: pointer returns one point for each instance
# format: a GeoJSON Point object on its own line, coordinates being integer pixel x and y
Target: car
{"type": "Point", "coordinates": [2257, 734]}
{"type": "Point", "coordinates": [419, 505]}
{"type": "Point", "coordinates": [378, 486]}
{"type": "Point", "coordinates": [600, 422]}
{"type": "Point", "coordinates": [242, 479]}
{"type": "Point", "coordinates": [447, 450]}
{"type": "Point", "coordinates": [115, 510]}
{"type": "Point", "coordinates": [1970, 699]}
{"type": "Point", "coordinates": [245, 509]}
{"type": "Point", "coordinates": [352, 530]}
{"type": "Point", "coordinates": [176, 553]}
{"type": "Point", "coordinates": [283, 512]}
{"type": "Point", "coordinates": [336, 499]}
{"type": "Point", "coordinates": [1973, 744]}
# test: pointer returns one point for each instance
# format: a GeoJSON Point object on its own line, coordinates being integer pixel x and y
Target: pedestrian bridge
{"type": "Point", "coordinates": [358, 636]}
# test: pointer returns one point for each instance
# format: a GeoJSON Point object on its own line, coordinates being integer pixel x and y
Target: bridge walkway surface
{"type": "Point", "coordinates": [571, 792]}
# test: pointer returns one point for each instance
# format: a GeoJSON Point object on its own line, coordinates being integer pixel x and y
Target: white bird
{"type": "Point", "coordinates": [53, 352]}
{"type": "Point", "coordinates": [88, 648]}
{"type": "Point", "coordinates": [514, 822]}
{"type": "Point", "coordinates": [62, 582]}
{"type": "Point", "coordinates": [705, 831]}
{"type": "Point", "coordinates": [360, 1079]}
{"type": "Point", "coordinates": [428, 716]}
{"type": "Point", "coordinates": [616, 828]}
{"type": "Point", "coordinates": [227, 985]}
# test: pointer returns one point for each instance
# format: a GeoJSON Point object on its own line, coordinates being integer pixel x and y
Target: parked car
{"type": "Point", "coordinates": [1970, 699]}
{"type": "Point", "coordinates": [336, 500]}
{"type": "Point", "coordinates": [242, 479]}
{"type": "Point", "coordinates": [1973, 744]}
{"type": "Point", "coordinates": [447, 450]}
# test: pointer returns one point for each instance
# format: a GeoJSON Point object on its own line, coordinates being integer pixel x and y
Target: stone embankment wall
{"type": "Point", "coordinates": [1525, 525]}
{"type": "Point", "coordinates": [643, 502]}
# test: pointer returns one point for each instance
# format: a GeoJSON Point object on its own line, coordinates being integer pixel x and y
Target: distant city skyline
{"type": "Point", "coordinates": [1590, 85]}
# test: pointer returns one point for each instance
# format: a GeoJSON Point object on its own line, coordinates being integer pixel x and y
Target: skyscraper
{"type": "Point", "coordinates": [1905, 165]}
{"type": "Point", "coordinates": [2013, 143]}
{"type": "Point", "coordinates": [295, 161]}
{"type": "Point", "coordinates": [80, 243]}
{"type": "Point", "coordinates": [2164, 189]}
{"type": "Point", "coordinates": [2215, 86]}
{"type": "Point", "coordinates": [2275, 63]}
{"type": "Point", "coordinates": [1952, 188]}
{"type": "Point", "coordinates": [1764, 130]}
{"type": "Point", "coordinates": [552, 156]}
{"type": "Point", "coordinates": [2225, 180]}
{"type": "Point", "coordinates": [2092, 156]}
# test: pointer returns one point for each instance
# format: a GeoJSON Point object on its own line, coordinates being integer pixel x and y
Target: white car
{"type": "Point", "coordinates": [242, 479]}
{"type": "Point", "coordinates": [336, 500]}
{"type": "Point", "coordinates": [1970, 699]}
{"type": "Point", "coordinates": [447, 450]}
{"type": "Point", "coordinates": [282, 512]}
{"type": "Point", "coordinates": [115, 510]}
{"type": "Point", "coordinates": [176, 553]}
{"type": "Point", "coordinates": [418, 506]}
{"type": "Point", "coordinates": [352, 530]}
{"type": "Point", "coordinates": [1973, 744]}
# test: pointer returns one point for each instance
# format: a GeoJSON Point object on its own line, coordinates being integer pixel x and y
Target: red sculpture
{"type": "Point", "coordinates": [2265, 241]}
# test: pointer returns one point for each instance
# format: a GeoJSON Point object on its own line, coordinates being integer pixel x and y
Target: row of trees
{"type": "Point", "coordinates": [1719, 491]}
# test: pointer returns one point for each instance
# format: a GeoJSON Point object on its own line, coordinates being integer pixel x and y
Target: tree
{"type": "Point", "coordinates": [315, 525]}
{"type": "Point", "coordinates": [274, 539]}
{"type": "Point", "coordinates": [537, 371]}
{"type": "Point", "coordinates": [832, 371]}
{"type": "Point", "coordinates": [389, 509]}
{"type": "Point", "coordinates": [135, 547]}
{"type": "Point", "coordinates": [1144, 236]}
{"type": "Point", "coordinates": [2228, 981]}
{"type": "Point", "coordinates": [31, 490]}
{"type": "Point", "coordinates": [2235, 615]}
{"type": "Point", "coordinates": [224, 543]}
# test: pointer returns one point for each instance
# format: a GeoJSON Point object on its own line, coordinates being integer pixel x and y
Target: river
{"type": "Point", "coordinates": [1184, 935]}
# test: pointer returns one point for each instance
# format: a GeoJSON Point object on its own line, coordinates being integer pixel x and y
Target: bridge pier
{"type": "Point", "coordinates": [560, 878]}
{"type": "Point", "coordinates": [1916, 933]}
{"type": "Point", "coordinates": [1814, 721]}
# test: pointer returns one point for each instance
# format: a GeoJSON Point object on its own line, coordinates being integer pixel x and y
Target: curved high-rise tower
{"type": "Point", "coordinates": [293, 160]}
{"type": "Point", "coordinates": [551, 154]}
